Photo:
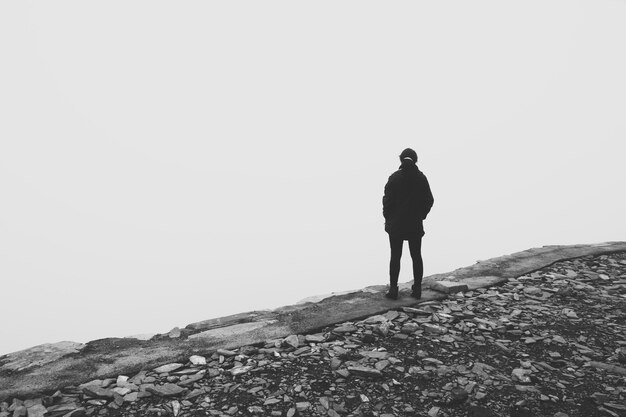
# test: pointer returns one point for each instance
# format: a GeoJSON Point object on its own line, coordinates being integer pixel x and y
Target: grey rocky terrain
{"type": "Point", "coordinates": [548, 343]}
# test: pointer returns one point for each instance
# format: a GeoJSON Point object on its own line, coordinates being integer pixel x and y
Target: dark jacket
{"type": "Point", "coordinates": [407, 201]}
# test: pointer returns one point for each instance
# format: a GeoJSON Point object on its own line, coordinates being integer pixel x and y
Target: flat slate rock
{"type": "Point", "coordinates": [448, 287]}
{"type": "Point", "coordinates": [374, 354]}
{"type": "Point", "coordinates": [97, 392]}
{"type": "Point", "coordinates": [170, 367]}
{"type": "Point", "coordinates": [365, 371]}
{"type": "Point", "coordinates": [346, 328]}
{"type": "Point", "coordinates": [165, 390]}
{"type": "Point", "coordinates": [314, 338]}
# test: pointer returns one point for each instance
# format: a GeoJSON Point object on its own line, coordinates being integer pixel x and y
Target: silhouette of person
{"type": "Point", "coordinates": [406, 203]}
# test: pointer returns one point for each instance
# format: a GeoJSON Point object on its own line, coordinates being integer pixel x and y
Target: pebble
{"type": "Point", "coordinates": [292, 341]}
{"type": "Point", "coordinates": [303, 405]}
{"type": "Point", "coordinates": [175, 407]}
{"type": "Point", "coordinates": [434, 411]}
{"type": "Point", "coordinates": [37, 410]}
{"type": "Point", "coordinates": [458, 395]}
{"type": "Point", "coordinates": [255, 409]}
{"type": "Point", "coordinates": [521, 375]}
{"type": "Point", "coordinates": [197, 360]}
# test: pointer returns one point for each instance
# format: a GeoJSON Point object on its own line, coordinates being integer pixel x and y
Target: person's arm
{"type": "Point", "coordinates": [388, 198]}
{"type": "Point", "coordinates": [428, 198]}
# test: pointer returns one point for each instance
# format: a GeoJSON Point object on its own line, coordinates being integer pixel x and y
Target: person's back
{"type": "Point", "coordinates": [406, 203]}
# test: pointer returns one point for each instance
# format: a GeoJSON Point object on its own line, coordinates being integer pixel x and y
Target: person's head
{"type": "Point", "coordinates": [408, 153]}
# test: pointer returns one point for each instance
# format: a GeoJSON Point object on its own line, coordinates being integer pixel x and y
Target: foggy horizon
{"type": "Point", "coordinates": [164, 164]}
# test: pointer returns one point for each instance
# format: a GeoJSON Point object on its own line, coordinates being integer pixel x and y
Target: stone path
{"type": "Point", "coordinates": [549, 343]}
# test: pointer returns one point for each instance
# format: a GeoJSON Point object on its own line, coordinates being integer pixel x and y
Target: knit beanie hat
{"type": "Point", "coordinates": [409, 153]}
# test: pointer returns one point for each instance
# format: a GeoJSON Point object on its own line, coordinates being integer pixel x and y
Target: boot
{"type": "Point", "coordinates": [417, 291]}
{"type": "Point", "coordinates": [393, 292]}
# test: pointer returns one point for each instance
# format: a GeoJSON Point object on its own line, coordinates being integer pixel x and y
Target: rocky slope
{"type": "Point", "coordinates": [548, 343]}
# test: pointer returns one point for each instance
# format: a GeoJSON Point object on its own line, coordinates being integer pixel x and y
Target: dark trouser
{"type": "Point", "coordinates": [415, 247]}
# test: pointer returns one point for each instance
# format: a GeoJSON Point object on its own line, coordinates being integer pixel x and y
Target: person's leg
{"type": "Point", "coordinates": [394, 265]}
{"type": "Point", "coordinates": [415, 246]}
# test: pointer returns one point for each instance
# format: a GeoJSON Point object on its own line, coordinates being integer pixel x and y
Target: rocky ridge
{"type": "Point", "coordinates": [46, 368]}
{"type": "Point", "coordinates": [549, 343]}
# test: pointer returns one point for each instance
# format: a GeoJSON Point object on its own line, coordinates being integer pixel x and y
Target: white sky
{"type": "Point", "coordinates": [165, 162]}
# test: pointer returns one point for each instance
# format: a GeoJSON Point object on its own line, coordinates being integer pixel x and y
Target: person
{"type": "Point", "coordinates": [406, 203]}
